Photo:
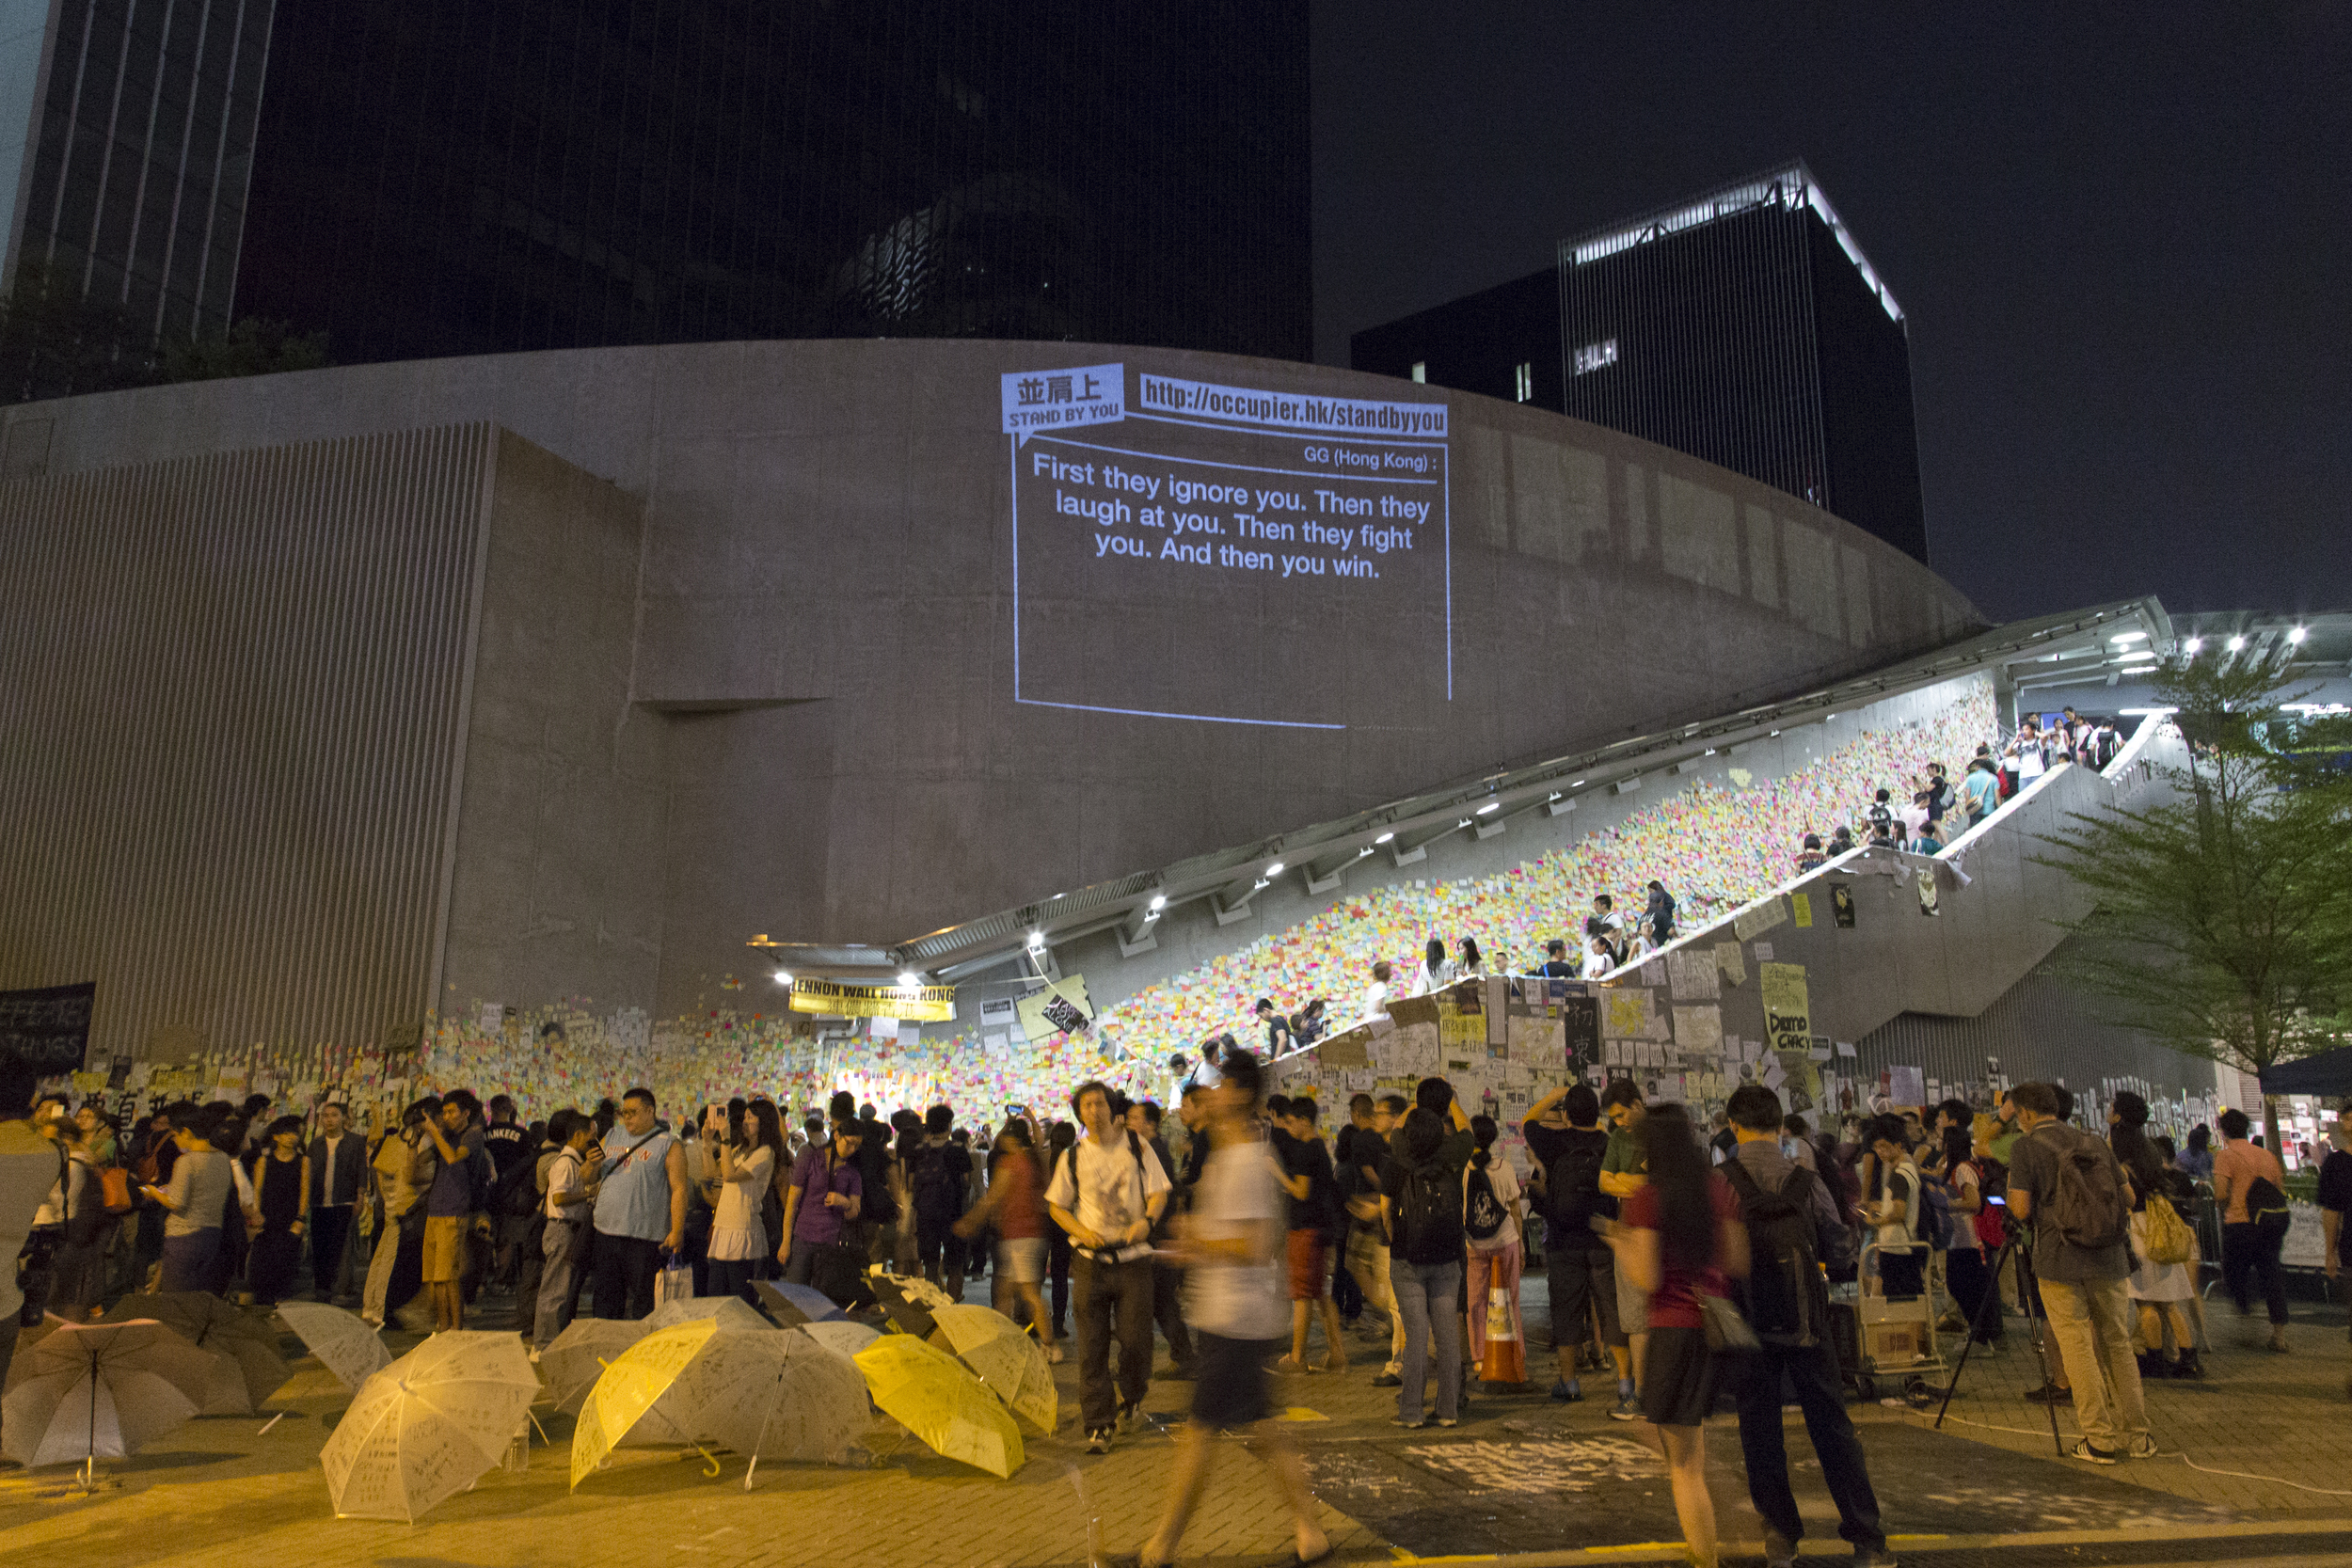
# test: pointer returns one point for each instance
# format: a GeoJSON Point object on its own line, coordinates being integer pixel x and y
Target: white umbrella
{"type": "Point", "coordinates": [840, 1334]}
{"type": "Point", "coordinates": [726, 1312]}
{"type": "Point", "coordinates": [578, 1356]}
{"type": "Point", "coordinates": [88, 1391]}
{"type": "Point", "coordinates": [341, 1341]}
{"type": "Point", "coordinates": [428, 1425]}
{"type": "Point", "coordinates": [774, 1396]}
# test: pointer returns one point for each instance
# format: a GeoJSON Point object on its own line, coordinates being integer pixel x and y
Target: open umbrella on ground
{"type": "Point", "coordinates": [841, 1334]}
{"type": "Point", "coordinates": [580, 1354]}
{"type": "Point", "coordinates": [428, 1425]}
{"type": "Point", "coordinates": [726, 1312]}
{"type": "Point", "coordinates": [928, 1391]}
{"type": "Point", "coordinates": [248, 1340]}
{"type": "Point", "coordinates": [908, 1301]}
{"type": "Point", "coordinates": [774, 1396]}
{"type": "Point", "coordinates": [83, 1392]}
{"type": "Point", "coordinates": [1007, 1362]}
{"type": "Point", "coordinates": [793, 1304]}
{"type": "Point", "coordinates": [625, 1394]}
{"type": "Point", "coordinates": [341, 1341]}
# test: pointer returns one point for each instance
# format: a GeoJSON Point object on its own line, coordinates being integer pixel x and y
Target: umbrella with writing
{"type": "Point", "coordinates": [726, 1312]}
{"type": "Point", "coordinates": [928, 1391]}
{"type": "Point", "coordinates": [580, 1354]}
{"type": "Point", "coordinates": [428, 1425]}
{"type": "Point", "coordinates": [245, 1340]}
{"type": "Point", "coordinates": [1006, 1361]}
{"type": "Point", "coordinates": [793, 1304]}
{"type": "Point", "coordinates": [341, 1341]}
{"type": "Point", "coordinates": [83, 1392]}
{"type": "Point", "coordinates": [842, 1334]}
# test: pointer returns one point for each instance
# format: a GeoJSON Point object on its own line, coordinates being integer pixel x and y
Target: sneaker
{"type": "Point", "coordinates": [1099, 1440]}
{"type": "Point", "coordinates": [1873, 1556]}
{"type": "Point", "coordinates": [1130, 1415]}
{"type": "Point", "coordinates": [1779, 1551]}
{"type": "Point", "coordinates": [1449, 1421]}
{"type": "Point", "coordinates": [534, 1355]}
{"type": "Point", "coordinates": [1388, 1379]}
{"type": "Point", "coordinates": [1568, 1390]}
{"type": "Point", "coordinates": [2050, 1394]}
{"type": "Point", "coordinates": [2144, 1449]}
{"type": "Point", "coordinates": [1625, 1409]}
{"type": "Point", "coordinates": [1410, 1426]}
{"type": "Point", "coordinates": [1181, 1372]}
{"type": "Point", "coordinates": [1053, 1354]}
{"type": "Point", "coordinates": [2188, 1366]}
{"type": "Point", "coordinates": [2091, 1454]}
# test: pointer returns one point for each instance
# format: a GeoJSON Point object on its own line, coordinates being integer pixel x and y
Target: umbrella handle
{"type": "Point", "coordinates": [543, 1432]}
{"type": "Point", "coordinates": [711, 1463]}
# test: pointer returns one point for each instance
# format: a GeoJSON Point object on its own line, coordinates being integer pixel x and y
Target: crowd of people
{"type": "Point", "coordinates": [1237, 1232]}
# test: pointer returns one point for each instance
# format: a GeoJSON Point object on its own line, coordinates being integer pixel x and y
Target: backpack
{"type": "Point", "coordinates": [1135, 1147]}
{"type": "Point", "coordinates": [481, 1181]}
{"type": "Point", "coordinates": [2088, 1204]}
{"type": "Point", "coordinates": [933, 1177]}
{"type": "Point", "coordinates": [1787, 1297]}
{"type": "Point", "coordinates": [1991, 1182]}
{"type": "Point", "coordinates": [1935, 1213]}
{"type": "Point", "coordinates": [1428, 1217]}
{"type": "Point", "coordinates": [1483, 1216]}
{"type": "Point", "coordinates": [2263, 1196]}
{"type": "Point", "coordinates": [517, 1192]}
{"type": "Point", "coordinates": [1572, 1194]}
{"type": "Point", "coordinates": [2169, 1239]}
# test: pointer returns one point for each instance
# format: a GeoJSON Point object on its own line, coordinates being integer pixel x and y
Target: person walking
{"type": "Point", "coordinates": [1792, 1230]}
{"type": "Point", "coordinates": [1367, 1255]}
{"type": "Point", "coordinates": [1494, 1218]}
{"type": "Point", "coordinates": [1106, 1192]}
{"type": "Point", "coordinates": [2335, 1199]}
{"type": "Point", "coordinates": [338, 1177]}
{"type": "Point", "coordinates": [639, 1211]}
{"type": "Point", "coordinates": [2161, 1289]}
{"type": "Point", "coordinates": [1566, 1139]}
{"type": "Point", "coordinates": [1231, 1243]}
{"type": "Point", "coordinates": [2067, 1186]}
{"type": "Point", "coordinates": [1167, 1309]}
{"type": "Point", "coordinates": [194, 1203]}
{"type": "Point", "coordinates": [1014, 1204]}
{"type": "Point", "coordinates": [1680, 1238]}
{"type": "Point", "coordinates": [2249, 1189]}
{"type": "Point", "coordinates": [28, 1168]}
{"type": "Point", "coordinates": [563, 1243]}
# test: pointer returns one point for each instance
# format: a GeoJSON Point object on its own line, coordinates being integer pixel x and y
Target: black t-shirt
{"type": "Point", "coordinates": [1544, 1144]}
{"type": "Point", "coordinates": [1449, 1244]}
{"type": "Point", "coordinates": [507, 1143]}
{"type": "Point", "coordinates": [2335, 1192]}
{"type": "Point", "coordinates": [1370, 1150]}
{"type": "Point", "coordinates": [1307, 1157]}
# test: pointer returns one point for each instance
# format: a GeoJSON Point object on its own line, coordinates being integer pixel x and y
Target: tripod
{"type": "Point", "coordinates": [1991, 1301]}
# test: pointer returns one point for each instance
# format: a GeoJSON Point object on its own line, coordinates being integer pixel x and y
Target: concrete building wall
{"type": "Point", "coordinates": [820, 670]}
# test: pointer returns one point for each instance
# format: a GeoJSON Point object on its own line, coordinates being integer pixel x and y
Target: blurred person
{"type": "Point", "coordinates": [1377, 993]}
{"type": "Point", "coordinates": [1167, 1313]}
{"type": "Point", "coordinates": [1303, 1163]}
{"type": "Point", "coordinates": [1657, 914]}
{"type": "Point", "coordinates": [1367, 1256]}
{"type": "Point", "coordinates": [2334, 1198]}
{"type": "Point", "coordinates": [1680, 1238]}
{"type": "Point", "coordinates": [28, 1168]}
{"type": "Point", "coordinates": [1436, 969]}
{"type": "Point", "coordinates": [2249, 1190]}
{"type": "Point", "coordinates": [1230, 1245]}
{"type": "Point", "coordinates": [1623, 1173]}
{"type": "Point", "coordinates": [400, 1168]}
{"type": "Point", "coordinates": [1014, 1204]}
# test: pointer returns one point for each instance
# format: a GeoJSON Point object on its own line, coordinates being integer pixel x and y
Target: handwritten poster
{"type": "Point", "coordinates": [1788, 1009]}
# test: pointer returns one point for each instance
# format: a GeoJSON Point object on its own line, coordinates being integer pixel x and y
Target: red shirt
{"type": "Point", "coordinates": [1673, 1305]}
{"type": "Point", "coordinates": [1020, 1213]}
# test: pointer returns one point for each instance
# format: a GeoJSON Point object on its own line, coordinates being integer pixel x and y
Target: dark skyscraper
{"type": "Point", "coordinates": [460, 176]}
{"type": "Point", "coordinates": [1743, 325]}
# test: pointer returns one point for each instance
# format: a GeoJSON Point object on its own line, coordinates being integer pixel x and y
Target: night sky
{"type": "Point", "coordinates": [2124, 249]}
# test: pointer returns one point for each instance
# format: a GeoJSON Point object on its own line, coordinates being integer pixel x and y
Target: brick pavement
{"type": "Point", "coordinates": [220, 1490]}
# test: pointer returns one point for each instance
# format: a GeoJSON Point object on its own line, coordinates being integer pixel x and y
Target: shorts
{"type": "Point", "coordinates": [1229, 1388]}
{"type": "Point", "coordinates": [1678, 1378]}
{"type": "Point", "coordinates": [444, 1248]}
{"type": "Point", "coordinates": [1021, 1259]}
{"type": "Point", "coordinates": [1582, 1281]}
{"type": "Point", "coordinates": [1632, 1307]}
{"type": "Point", "coordinates": [1309, 1265]}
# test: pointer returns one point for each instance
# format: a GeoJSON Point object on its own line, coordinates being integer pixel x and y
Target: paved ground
{"type": "Point", "coordinates": [1521, 1480]}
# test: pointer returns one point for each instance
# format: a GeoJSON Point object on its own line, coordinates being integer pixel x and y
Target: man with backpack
{"type": "Point", "coordinates": [938, 1174]}
{"type": "Point", "coordinates": [2248, 1187]}
{"type": "Point", "coordinates": [2066, 1185]}
{"type": "Point", "coordinates": [1566, 1140]}
{"type": "Point", "coordinates": [1107, 1191]}
{"type": "Point", "coordinates": [1794, 1231]}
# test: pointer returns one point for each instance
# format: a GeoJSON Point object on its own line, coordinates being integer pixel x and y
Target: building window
{"type": "Point", "coordinates": [1421, 370]}
{"type": "Point", "coordinates": [1524, 380]}
{"type": "Point", "coordinates": [1593, 356]}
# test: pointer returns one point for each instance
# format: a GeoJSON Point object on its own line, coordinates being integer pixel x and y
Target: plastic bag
{"type": "Point", "coordinates": [675, 1282]}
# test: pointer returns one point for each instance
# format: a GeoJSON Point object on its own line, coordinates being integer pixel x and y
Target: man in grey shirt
{"type": "Point", "coordinates": [2085, 1293]}
{"type": "Point", "coordinates": [1761, 1173]}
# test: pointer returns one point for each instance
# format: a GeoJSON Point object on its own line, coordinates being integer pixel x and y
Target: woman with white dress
{"type": "Point", "coordinates": [741, 1161]}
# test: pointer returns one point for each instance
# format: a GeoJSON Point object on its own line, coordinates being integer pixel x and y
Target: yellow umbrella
{"type": "Point", "coordinates": [1007, 1362]}
{"type": "Point", "coordinates": [631, 1387]}
{"type": "Point", "coordinates": [928, 1392]}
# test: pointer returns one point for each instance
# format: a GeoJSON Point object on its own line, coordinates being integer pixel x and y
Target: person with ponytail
{"type": "Point", "coordinates": [1680, 1238]}
{"type": "Point", "coordinates": [1494, 1215]}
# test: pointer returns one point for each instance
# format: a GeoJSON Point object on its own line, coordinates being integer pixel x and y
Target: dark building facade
{"type": "Point", "coordinates": [438, 177]}
{"type": "Point", "coordinates": [1743, 326]}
